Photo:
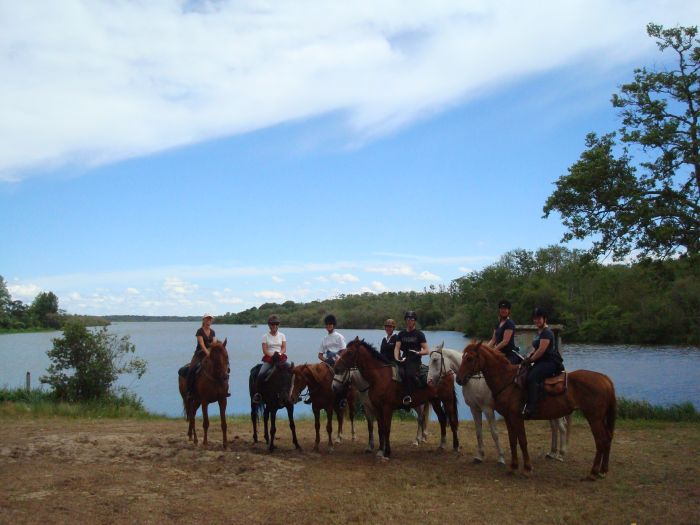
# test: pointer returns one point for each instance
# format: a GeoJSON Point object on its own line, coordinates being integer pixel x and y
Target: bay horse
{"type": "Point", "coordinates": [478, 397]}
{"type": "Point", "coordinates": [355, 383]}
{"type": "Point", "coordinates": [210, 384]}
{"type": "Point", "coordinates": [318, 378]}
{"type": "Point", "coordinates": [275, 393]}
{"type": "Point", "coordinates": [591, 392]}
{"type": "Point", "coordinates": [386, 394]}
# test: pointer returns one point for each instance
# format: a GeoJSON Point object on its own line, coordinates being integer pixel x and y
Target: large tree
{"type": "Point", "coordinates": [649, 206]}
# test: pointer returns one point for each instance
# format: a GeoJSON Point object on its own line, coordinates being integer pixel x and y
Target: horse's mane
{"type": "Point", "coordinates": [498, 355]}
{"type": "Point", "coordinates": [374, 352]}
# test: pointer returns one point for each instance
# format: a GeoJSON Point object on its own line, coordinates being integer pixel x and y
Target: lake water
{"type": "Point", "coordinates": [661, 375]}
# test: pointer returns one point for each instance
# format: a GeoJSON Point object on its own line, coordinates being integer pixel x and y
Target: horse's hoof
{"type": "Point", "coordinates": [501, 463]}
{"type": "Point", "coordinates": [590, 477]}
{"type": "Point", "coordinates": [369, 450]}
{"type": "Point", "coordinates": [477, 461]}
{"type": "Point", "coordinates": [331, 450]}
{"type": "Point", "coordinates": [601, 475]}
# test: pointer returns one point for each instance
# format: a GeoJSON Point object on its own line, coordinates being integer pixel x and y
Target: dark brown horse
{"type": "Point", "coordinates": [386, 394]}
{"type": "Point", "coordinates": [591, 392]}
{"type": "Point", "coordinates": [276, 392]}
{"type": "Point", "coordinates": [318, 378]}
{"type": "Point", "coordinates": [211, 384]}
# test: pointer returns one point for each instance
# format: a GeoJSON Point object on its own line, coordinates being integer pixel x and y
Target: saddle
{"type": "Point", "coordinates": [557, 385]}
{"type": "Point", "coordinates": [421, 377]}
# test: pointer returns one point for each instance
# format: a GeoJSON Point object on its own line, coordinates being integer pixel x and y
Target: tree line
{"type": "Point", "coordinates": [42, 314]}
{"type": "Point", "coordinates": [649, 302]}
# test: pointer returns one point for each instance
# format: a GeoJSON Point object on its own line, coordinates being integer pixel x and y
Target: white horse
{"type": "Point", "coordinates": [356, 381]}
{"type": "Point", "coordinates": [480, 400]}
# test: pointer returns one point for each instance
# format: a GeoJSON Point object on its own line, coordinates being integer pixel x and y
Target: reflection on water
{"type": "Point", "coordinates": [661, 375]}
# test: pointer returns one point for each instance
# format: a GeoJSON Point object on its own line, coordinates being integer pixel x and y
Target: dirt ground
{"type": "Point", "coordinates": [60, 470]}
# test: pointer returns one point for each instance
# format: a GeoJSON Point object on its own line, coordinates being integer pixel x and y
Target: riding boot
{"type": "Point", "coordinates": [533, 394]}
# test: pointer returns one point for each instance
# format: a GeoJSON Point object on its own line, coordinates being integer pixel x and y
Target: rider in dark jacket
{"type": "Point", "coordinates": [412, 343]}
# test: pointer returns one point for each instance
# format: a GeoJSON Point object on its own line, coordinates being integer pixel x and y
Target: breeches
{"type": "Point", "coordinates": [539, 372]}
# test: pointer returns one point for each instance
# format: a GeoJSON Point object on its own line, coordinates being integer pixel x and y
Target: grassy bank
{"type": "Point", "coordinates": [40, 403]}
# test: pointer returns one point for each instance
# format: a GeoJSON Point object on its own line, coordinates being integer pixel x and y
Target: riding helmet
{"type": "Point", "coordinates": [539, 312]}
{"type": "Point", "coordinates": [330, 319]}
{"type": "Point", "coordinates": [273, 319]}
{"type": "Point", "coordinates": [504, 303]}
{"type": "Point", "coordinates": [410, 314]}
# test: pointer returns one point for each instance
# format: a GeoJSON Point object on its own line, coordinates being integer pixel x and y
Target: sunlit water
{"type": "Point", "coordinates": [661, 375]}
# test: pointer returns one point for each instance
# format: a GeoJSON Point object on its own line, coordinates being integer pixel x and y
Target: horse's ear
{"type": "Point", "coordinates": [225, 341]}
{"type": "Point", "coordinates": [440, 346]}
{"type": "Point", "coordinates": [478, 345]}
{"type": "Point", "coordinates": [357, 339]}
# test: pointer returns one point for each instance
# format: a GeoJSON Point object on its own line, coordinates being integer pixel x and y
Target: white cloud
{"type": "Point", "coordinates": [464, 270]}
{"type": "Point", "coordinates": [87, 82]}
{"type": "Point", "coordinates": [391, 269]}
{"type": "Point", "coordinates": [344, 278]}
{"type": "Point", "coordinates": [427, 276]}
{"type": "Point", "coordinates": [174, 286]}
{"type": "Point", "coordinates": [132, 291]}
{"type": "Point", "coordinates": [269, 294]}
{"type": "Point", "coordinates": [23, 292]}
{"type": "Point", "coordinates": [277, 279]}
{"type": "Point", "coordinates": [378, 286]}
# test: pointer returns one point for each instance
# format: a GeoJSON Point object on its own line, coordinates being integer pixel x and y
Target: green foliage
{"type": "Point", "coordinates": [85, 365]}
{"type": "Point", "coordinates": [631, 409]}
{"type": "Point", "coordinates": [44, 309]}
{"type": "Point", "coordinates": [650, 208]}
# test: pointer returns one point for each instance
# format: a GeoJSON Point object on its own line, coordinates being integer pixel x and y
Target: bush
{"type": "Point", "coordinates": [632, 409]}
{"type": "Point", "coordinates": [85, 365]}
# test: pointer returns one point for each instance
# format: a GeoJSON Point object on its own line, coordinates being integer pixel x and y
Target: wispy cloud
{"type": "Point", "coordinates": [86, 82]}
{"type": "Point", "coordinates": [428, 276]}
{"type": "Point", "coordinates": [175, 286]}
{"type": "Point", "coordinates": [344, 278]}
{"type": "Point", "coordinates": [269, 294]}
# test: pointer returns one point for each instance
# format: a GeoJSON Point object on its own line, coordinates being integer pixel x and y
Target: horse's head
{"type": "Point", "coordinates": [436, 365]}
{"type": "Point", "coordinates": [218, 355]}
{"type": "Point", "coordinates": [471, 362]}
{"type": "Point", "coordinates": [341, 371]}
{"type": "Point", "coordinates": [300, 380]}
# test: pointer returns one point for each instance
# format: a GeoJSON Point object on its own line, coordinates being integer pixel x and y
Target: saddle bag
{"type": "Point", "coordinates": [555, 386]}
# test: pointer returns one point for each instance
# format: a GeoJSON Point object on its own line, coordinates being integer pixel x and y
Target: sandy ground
{"type": "Point", "coordinates": [60, 470]}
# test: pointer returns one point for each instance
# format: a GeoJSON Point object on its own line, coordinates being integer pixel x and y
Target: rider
{"type": "Point", "coordinates": [332, 343]}
{"type": "Point", "coordinates": [503, 338]}
{"type": "Point", "coordinates": [273, 342]}
{"type": "Point", "coordinates": [205, 338]}
{"type": "Point", "coordinates": [546, 358]}
{"type": "Point", "coordinates": [414, 345]}
{"type": "Point", "coordinates": [389, 341]}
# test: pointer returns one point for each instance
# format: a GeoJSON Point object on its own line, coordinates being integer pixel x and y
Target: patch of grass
{"type": "Point", "coordinates": [41, 403]}
{"type": "Point", "coordinates": [633, 409]}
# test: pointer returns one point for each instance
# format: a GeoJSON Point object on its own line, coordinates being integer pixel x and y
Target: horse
{"type": "Point", "coordinates": [354, 382]}
{"type": "Point", "coordinates": [591, 392]}
{"type": "Point", "coordinates": [211, 384]}
{"type": "Point", "coordinates": [478, 397]}
{"type": "Point", "coordinates": [276, 393]}
{"type": "Point", "coordinates": [386, 394]}
{"type": "Point", "coordinates": [318, 378]}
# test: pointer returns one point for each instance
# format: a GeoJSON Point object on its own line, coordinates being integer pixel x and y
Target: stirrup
{"type": "Point", "coordinates": [257, 398]}
{"type": "Point", "coordinates": [407, 400]}
{"type": "Point", "coordinates": [528, 411]}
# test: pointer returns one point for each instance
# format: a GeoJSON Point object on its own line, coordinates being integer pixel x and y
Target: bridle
{"type": "Point", "coordinates": [443, 369]}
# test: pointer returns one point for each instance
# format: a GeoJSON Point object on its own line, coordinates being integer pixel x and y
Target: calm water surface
{"type": "Point", "coordinates": [661, 375]}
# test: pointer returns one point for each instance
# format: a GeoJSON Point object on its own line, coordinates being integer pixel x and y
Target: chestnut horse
{"type": "Point", "coordinates": [478, 397]}
{"type": "Point", "coordinates": [386, 394]}
{"type": "Point", "coordinates": [591, 392]}
{"type": "Point", "coordinates": [211, 384]}
{"type": "Point", "coordinates": [318, 378]}
{"type": "Point", "coordinates": [276, 393]}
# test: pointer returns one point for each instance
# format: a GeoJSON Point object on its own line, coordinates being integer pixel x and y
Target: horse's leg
{"type": "Point", "coordinates": [254, 420]}
{"type": "Point", "coordinates": [370, 430]}
{"type": "Point", "coordinates": [426, 420]}
{"type": "Point", "coordinates": [565, 434]}
{"type": "Point", "coordinates": [222, 415]}
{"type": "Point", "coordinates": [329, 425]}
{"type": "Point", "coordinates": [340, 412]}
{"type": "Point", "coordinates": [266, 418]}
{"type": "Point", "coordinates": [420, 421]}
{"type": "Point", "coordinates": [317, 426]}
{"type": "Point", "coordinates": [454, 422]}
{"type": "Point", "coordinates": [195, 406]}
{"type": "Point", "coordinates": [292, 426]}
{"type": "Point", "coordinates": [205, 415]}
{"type": "Point", "coordinates": [600, 434]}
{"type": "Point", "coordinates": [558, 447]}
{"type": "Point", "coordinates": [491, 419]}
{"type": "Point", "coordinates": [351, 415]}
{"type": "Point", "coordinates": [513, 440]}
{"type": "Point", "coordinates": [387, 412]}
{"type": "Point", "coordinates": [273, 428]}
{"type": "Point", "coordinates": [478, 429]}
{"type": "Point", "coordinates": [440, 413]}
{"type": "Point", "coordinates": [519, 427]}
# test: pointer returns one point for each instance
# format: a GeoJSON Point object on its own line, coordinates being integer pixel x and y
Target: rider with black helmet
{"type": "Point", "coordinates": [503, 338]}
{"type": "Point", "coordinates": [332, 343]}
{"type": "Point", "coordinates": [546, 358]}
{"type": "Point", "coordinates": [413, 344]}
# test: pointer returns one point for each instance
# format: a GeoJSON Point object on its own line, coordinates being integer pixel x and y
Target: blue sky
{"type": "Point", "coordinates": [181, 157]}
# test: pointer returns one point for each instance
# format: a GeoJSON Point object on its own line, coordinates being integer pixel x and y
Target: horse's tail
{"type": "Point", "coordinates": [611, 413]}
